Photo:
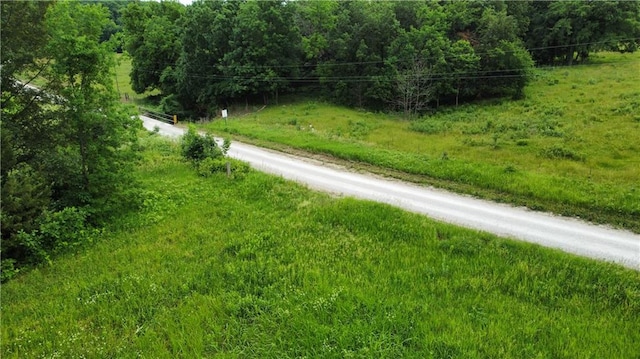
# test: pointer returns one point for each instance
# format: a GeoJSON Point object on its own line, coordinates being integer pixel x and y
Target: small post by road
{"type": "Point", "coordinates": [175, 119]}
{"type": "Point", "coordinates": [224, 115]}
{"type": "Point", "coordinates": [228, 169]}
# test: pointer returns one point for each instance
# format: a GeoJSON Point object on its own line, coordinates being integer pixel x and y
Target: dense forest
{"type": "Point", "coordinates": [403, 56]}
{"type": "Point", "coordinates": [68, 144]}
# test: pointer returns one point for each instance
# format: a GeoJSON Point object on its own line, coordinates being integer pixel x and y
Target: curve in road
{"type": "Point", "coordinates": [567, 234]}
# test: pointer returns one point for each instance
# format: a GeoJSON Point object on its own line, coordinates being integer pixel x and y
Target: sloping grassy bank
{"type": "Point", "coordinates": [259, 267]}
{"type": "Point", "coordinates": [571, 147]}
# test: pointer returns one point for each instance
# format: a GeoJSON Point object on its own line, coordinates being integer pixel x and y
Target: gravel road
{"type": "Point", "coordinates": [567, 234]}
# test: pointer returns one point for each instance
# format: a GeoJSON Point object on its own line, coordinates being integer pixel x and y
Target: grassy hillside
{"type": "Point", "coordinates": [571, 147]}
{"type": "Point", "coordinates": [122, 82]}
{"type": "Point", "coordinates": [257, 267]}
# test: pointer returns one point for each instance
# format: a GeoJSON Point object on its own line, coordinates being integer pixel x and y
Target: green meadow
{"type": "Point", "coordinates": [572, 146]}
{"type": "Point", "coordinates": [122, 83]}
{"type": "Point", "coordinates": [258, 267]}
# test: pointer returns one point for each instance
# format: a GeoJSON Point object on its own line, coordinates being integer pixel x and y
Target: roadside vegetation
{"type": "Point", "coordinates": [68, 146]}
{"type": "Point", "coordinates": [570, 147]}
{"type": "Point", "coordinates": [119, 243]}
{"type": "Point", "coordinates": [443, 93]}
{"type": "Point", "coordinates": [439, 93]}
{"type": "Point", "coordinates": [256, 266]}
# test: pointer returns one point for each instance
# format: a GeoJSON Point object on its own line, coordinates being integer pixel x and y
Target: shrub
{"type": "Point", "coordinates": [207, 156]}
{"type": "Point", "coordinates": [7, 269]}
{"type": "Point", "coordinates": [25, 197]}
{"type": "Point", "coordinates": [197, 147]}
{"type": "Point", "coordinates": [57, 232]}
{"type": "Point", "coordinates": [64, 229]}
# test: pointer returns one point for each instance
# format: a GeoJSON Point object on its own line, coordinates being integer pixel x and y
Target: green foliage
{"type": "Point", "coordinates": [100, 133]}
{"type": "Point", "coordinates": [208, 157]}
{"type": "Point", "coordinates": [25, 196]}
{"type": "Point", "coordinates": [64, 230]}
{"type": "Point", "coordinates": [263, 47]}
{"type": "Point", "coordinates": [152, 38]}
{"type": "Point", "coordinates": [70, 145]}
{"type": "Point", "coordinates": [55, 233]}
{"type": "Point", "coordinates": [506, 64]}
{"type": "Point", "coordinates": [261, 267]}
{"type": "Point", "coordinates": [8, 269]}
{"type": "Point", "coordinates": [379, 55]}
{"type": "Point", "coordinates": [569, 31]}
{"type": "Point", "coordinates": [376, 55]}
{"type": "Point", "coordinates": [232, 50]}
{"type": "Point", "coordinates": [197, 147]}
{"type": "Point", "coordinates": [21, 44]}
{"type": "Point", "coordinates": [226, 144]}
{"type": "Point", "coordinates": [393, 56]}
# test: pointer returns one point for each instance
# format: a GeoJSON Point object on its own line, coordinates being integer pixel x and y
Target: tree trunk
{"type": "Point", "coordinates": [83, 163]}
{"type": "Point", "coordinates": [569, 55]}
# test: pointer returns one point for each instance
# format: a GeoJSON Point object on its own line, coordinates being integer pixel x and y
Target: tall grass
{"type": "Point", "coordinates": [570, 147]}
{"type": "Point", "coordinates": [260, 267]}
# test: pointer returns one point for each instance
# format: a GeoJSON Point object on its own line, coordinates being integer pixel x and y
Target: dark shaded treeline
{"type": "Point", "coordinates": [400, 56]}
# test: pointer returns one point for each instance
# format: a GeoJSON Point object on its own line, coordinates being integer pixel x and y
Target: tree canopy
{"type": "Point", "coordinates": [568, 31]}
{"type": "Point", "coordinates": [373, 54]}
{"type": "Point", "coordinates": [66, 145]}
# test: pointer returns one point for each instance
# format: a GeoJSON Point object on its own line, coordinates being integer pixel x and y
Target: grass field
{"type": "Point", "coordinates": [572, 146]}
{"type": "Point", "coordinates": [258, 267]}
{"type": "Point", "coordinates": [122, 83]}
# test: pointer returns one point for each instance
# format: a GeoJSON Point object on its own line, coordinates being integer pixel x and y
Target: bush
{"type": "Point", "coordinates": [196, 147]}
{"type": "Point", "coordinates": [7, 269]}
{"type": "Point", "coordinates": [57, 232]}
{"type": "Point", "coordinates": [25, 196]}
{"type": "Point", "coordinates": [64, 229]}
{"type": "Point", "coordinates": [207, 156]}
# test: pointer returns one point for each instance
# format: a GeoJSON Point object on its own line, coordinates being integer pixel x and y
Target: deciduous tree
{"type": "Point", "coordinates": [152, 37]}
{"type": "Point", "coordinates": [69, 143]}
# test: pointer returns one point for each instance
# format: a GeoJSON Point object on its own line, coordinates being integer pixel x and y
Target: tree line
{"type": "Point", "coordinates": [384, 55]}
{"type": "Point", "coordinates": [67, 144]}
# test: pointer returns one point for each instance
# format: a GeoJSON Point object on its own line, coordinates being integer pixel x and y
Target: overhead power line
{"type": "Point", "coordinates": [380, 62]}
{"type": "Point", "coordinates": [469, 75]}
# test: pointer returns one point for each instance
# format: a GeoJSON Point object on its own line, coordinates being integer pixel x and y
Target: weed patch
{"type": "Point", "coordinates": [429, 127]}
{"type": "Point", "coordinates": [562, 153]}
